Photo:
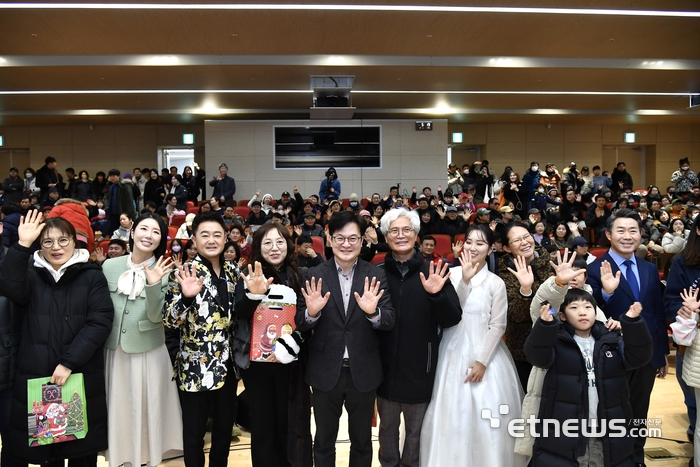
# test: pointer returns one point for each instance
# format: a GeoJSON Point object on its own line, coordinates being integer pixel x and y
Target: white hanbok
{"type": "Point", "coordinates": [455, 431]}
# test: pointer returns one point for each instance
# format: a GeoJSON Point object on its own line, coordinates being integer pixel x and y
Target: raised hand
{"type": "Point", "coordinates": [312, 294]}
{"type": "Point", "coordinates": [609, 281]}
{"type": "Point", "coordinates": [297, 230]}
{"type": "Point", "coordinates": [438, 274]}
{"type": "Point", "coordinates": [370, 296]}
{"type": "Point", "coordinates": [177, 260]}
{"type": "Point", "coordinates": [255, 280]}
{"type": "Point", "coordinates": [466, 214]}
{"type": "Point", "coordinates": [100, 255]}
{"type": "Point", "coordinates": [635, 310]}
{"type": "Point", "coordinates": [545, 315]}
{"type": "Point", "coordinates": [441, 212]}
{"type": "Point", "coordinates": [469, 269]}
{"type": "Point", "coordinates": [563, 269]}
{"type": "Point", "coordinates": [190, 284]}
{"type": "Point", "coordinates": [257, 193]}
{"type": "Point", "coordinates": [162, 268]}
{"type": "Point", "coordinates": [371, 235]}
{"type": "Point", "coordinates": [457, 247]}
{"type": "Point", "coordinates": [523, 273]}
{"type": "Point", "coordinates": [30, 227]}
{"type": "Point", "coordinates": [690, 299]}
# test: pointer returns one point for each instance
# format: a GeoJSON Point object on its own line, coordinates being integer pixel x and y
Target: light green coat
{"type": "Point", "coordinates": [138, 324]}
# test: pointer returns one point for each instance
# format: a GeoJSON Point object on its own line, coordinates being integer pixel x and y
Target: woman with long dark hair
{"type": "Point", "coordinates": [279, 399]}
{"type": "Point", "coordinates": [153, 191]}
{"type": "Point", "coordinates": [475, 371]}
{"type": "Point", "coordinates": [190, 182]}
{"type": "Point", "coordinates": [67, 318]}
{"type": "Point", "coordinates": [515, 192]}
{"type": "Point", "coordinates": [82, 187]}
{"type": "Point", "coordinates": [684, 275]}
{"type": "Point", "coordinates": [99, 186]}
{"type": "Point", "coordinates": [137, 365]}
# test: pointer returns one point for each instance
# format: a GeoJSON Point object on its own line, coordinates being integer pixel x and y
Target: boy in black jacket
{"type": "Point", "coordinates": [585, 381]}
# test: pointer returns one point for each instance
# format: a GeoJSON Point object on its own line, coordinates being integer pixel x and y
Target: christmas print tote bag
{"type": "Point", "coordinates": [56, 414]}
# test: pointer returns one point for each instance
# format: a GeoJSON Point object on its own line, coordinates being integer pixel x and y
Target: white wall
{"type": "Point", "coordinates": [408, 156]}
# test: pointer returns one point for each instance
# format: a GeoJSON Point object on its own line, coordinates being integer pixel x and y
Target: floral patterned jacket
{"type": "Point", "coordinates": [206, 323]}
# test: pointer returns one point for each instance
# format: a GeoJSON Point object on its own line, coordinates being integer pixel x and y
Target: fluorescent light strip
{"type": "Point", "coordinates": [307, 91]}
{"type": "Point", "coordinates": [425, 111]}
{"type": "Point", "coordinates": [319, 60]}
{"type": "Point", "coordinates": [340, 7]}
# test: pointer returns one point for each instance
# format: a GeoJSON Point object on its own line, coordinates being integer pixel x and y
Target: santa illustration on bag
{"type": "Point", "coordinates": [268, 339]}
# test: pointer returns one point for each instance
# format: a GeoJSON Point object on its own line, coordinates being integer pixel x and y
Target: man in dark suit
{"type": "Point", "coordinates": [345, 302]}
{"type": "Point", "coordinates": [619, 279]}
{"type": "Point", "coordinates": [224, 186]}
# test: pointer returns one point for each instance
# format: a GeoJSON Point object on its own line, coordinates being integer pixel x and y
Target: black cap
{"type": "Point", "coordinates": [286, 193]}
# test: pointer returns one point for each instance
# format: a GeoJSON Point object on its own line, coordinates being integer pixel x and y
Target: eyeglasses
{"type": "Point", "coordinates": [267, 245]}
{"type": "Point", "coordinates": [394, 232]}
{"type": "Point", "coordinates": [48, 243]}
{"type": "Point", "coordinates": [352, 239]}
{"type": "Point", "coordinates": [517, 241]}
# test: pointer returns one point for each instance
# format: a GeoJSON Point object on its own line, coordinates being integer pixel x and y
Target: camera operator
{"type": "Point", "coordinates": [330, 187]}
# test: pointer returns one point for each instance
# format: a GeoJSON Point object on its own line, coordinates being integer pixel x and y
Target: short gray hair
{"type": "Point", "coordinates": [394, 214]}
{"type": "Point", "coordinates": [223, 164]}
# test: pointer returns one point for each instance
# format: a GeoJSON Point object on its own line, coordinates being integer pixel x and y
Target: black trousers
{"type": "Point", "coordinates": [328, 406]}
{"type": "Point", "coordinates": [195, 411]}
{"type": "Point", "coordinates": [641, 383]}
{"type": "Point", "coordinates": [85, 461]}
{"type": "Point", "coordinates": [267, 387]}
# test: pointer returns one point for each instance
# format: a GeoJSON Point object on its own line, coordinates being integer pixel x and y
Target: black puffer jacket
{"type": "Point", "coordinates": [551, 345]}
{"type": "Point", "coordinates": [10, 326]}
{"type": "Point", "coordinates": [409, 352]}
{"type": "Point", "coordinates": [65, 322]}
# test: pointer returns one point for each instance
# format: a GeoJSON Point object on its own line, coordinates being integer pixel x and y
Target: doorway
{"type": "Point", "coordinates": [178, 157]}
{"type": "Point", "coordinates": [634, 158]}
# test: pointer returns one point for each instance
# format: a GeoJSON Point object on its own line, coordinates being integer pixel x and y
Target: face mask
{"type": "Point", "coordinates": [541, 190]}
{"type": "Point", "coordinates": [176, 249]}
{"type": "Point", "coordinates": [466, 172]}
{"type": "Point", "coordinates": [28, 175]}
{"type": "Point", "coordinates": [684, 169]}
{"type": "Point", "coordinates": [642, 204]}
{"type": "Point", "coordinates": [534, 168]}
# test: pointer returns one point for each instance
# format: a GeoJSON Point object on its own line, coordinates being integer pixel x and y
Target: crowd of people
{"type": "Point", "coordinates": [516, 313]}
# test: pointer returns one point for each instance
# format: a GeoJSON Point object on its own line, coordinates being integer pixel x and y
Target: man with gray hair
{"type": "Point", "coordinates": [224, 186]}
{"type": "Point", "coordinates": [425, 302]}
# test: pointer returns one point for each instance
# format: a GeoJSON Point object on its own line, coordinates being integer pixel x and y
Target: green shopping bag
{"type": "Point", "coordinates": [56, 414]}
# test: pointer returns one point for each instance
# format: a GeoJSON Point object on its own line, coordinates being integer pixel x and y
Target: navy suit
{"type": "Point", "coordinates": [641, 380]}
{"type": "Point", "coordinates": [336, 382]}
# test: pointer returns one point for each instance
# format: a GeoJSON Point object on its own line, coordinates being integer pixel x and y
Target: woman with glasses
{"type": "Point", "coordinates": [523, 270]}
{"type": "Point", "coordinates": [67, 319]}
{"type": "Point", "coordinates": [280, 405]}
{"type": "Point", "coordinates": [139, 374]}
